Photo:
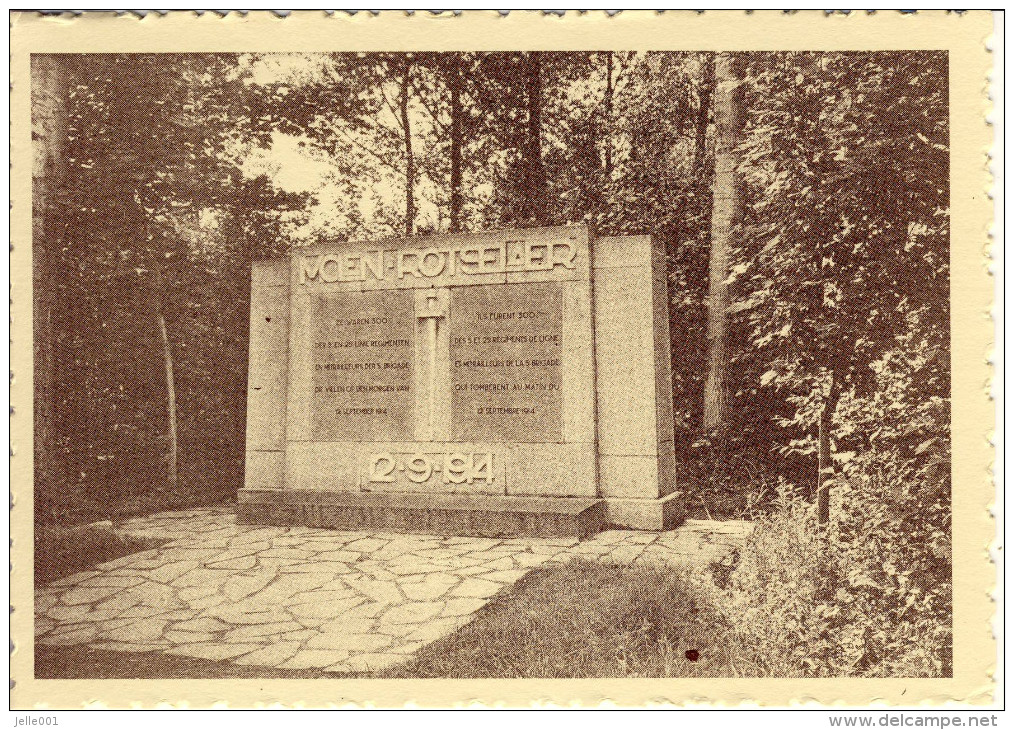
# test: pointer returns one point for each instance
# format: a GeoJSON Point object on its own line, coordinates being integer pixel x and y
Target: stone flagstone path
{"type": "Point", "coordinates": [299, 597]}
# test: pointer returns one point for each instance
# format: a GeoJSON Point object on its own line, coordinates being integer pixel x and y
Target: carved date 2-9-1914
{"type": "Point", "coordinates": [455, 468]}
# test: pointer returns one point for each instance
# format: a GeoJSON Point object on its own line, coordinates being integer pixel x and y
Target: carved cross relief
{"type": "Point", "coordinates": [431, 353]}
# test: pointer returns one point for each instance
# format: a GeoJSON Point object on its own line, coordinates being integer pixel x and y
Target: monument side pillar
{"type": "Point", "coordinates": [267, 379]}
{"type": "Point", "coordinates": [634, 384]}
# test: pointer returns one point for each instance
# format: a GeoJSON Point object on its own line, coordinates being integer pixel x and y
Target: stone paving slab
{"type": "Point", "coordinates": [299, 597]}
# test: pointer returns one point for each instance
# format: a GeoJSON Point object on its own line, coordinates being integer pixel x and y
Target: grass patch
{"type": "Point", "coordinates": [83, 662]}
{"type": "Point", "coordinates": [62, 551]}
{"type": "Point", "coordinates": [584, 619]}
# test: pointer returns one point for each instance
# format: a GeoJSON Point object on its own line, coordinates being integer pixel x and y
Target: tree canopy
{"type": "Point", "coordinates": [845, 245]}
{"type": "Point", "coordinates": [181, 169]}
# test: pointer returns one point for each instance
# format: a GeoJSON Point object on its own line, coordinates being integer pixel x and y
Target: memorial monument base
{"type": "Point", "coordinates": [452, 514]}
{"type": "Point", "coordinates": [446, 514]}
{"type": "Point", "coordinates": [666, 513]}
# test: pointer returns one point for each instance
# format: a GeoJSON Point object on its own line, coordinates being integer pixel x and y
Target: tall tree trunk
{"type": "Point", "coordinates": [406, 126]}
{"type": "Point", "coordinates": [704, 94]}
{"type": "Point", "coordinates": [825, 466]}
{"type": "Point", "coordinates": [535, 173]}
{"type": "Point", "coordinates": [609, 115]}
{"type": "Point", "coordinates": [454, 83]}
{"type": "Point", "coordinates": [725, 212]}
{"type": "Point", "coordinates": [170, 384]}
{"type": "Point", "coordinates": [50, 82]}
{"type": "Point", "coordinates": [161, 296]}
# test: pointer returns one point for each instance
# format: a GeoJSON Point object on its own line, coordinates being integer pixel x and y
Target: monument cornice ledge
{"type": "Point", "coordinates": [396, 242]}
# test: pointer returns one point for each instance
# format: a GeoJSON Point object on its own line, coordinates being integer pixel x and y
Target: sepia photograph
{"type": "Point", "coordinates": [493, 364]}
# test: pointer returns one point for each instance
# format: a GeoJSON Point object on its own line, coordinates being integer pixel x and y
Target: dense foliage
{"type": "Point", "coordinates": [842, 276]}
{"type": "Point", "coordinates": [154, 216]}
{"type": "Point", "coordinates": [869, 603]}
{"type": "Point", "coordinates": [844, 249]}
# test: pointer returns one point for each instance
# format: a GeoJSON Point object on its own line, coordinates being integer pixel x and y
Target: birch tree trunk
{"type": "Point", "coordinates": [172, 473]}
{"type": "Point", "coordinates": [725, 212]}
{"type": "Point", "coordinates": [49, 95]}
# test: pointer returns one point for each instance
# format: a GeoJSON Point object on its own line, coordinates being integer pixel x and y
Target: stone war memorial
{"type": "Point", "coordinates": [509, 383]}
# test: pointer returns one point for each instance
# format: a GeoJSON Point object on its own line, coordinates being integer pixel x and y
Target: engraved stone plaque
{"type": "Point", "coordinates": [362, 349]}
{"type": "Point", "coordinates": [433, 471]}
{"type": "Point", "coordinates": [506, 345]}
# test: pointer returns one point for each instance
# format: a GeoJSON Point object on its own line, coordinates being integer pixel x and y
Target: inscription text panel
{"type": "Point", "coordinates": [362, 350]}
{"type": "Point", "coordinates": [506, 346]}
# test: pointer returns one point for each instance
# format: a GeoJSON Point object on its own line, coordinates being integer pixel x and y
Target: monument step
{"type": "Point", "coordinates": [444, 514]}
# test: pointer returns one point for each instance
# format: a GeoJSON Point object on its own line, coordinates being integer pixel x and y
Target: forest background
{"type": "Point", "coordinates": [802, 199]}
